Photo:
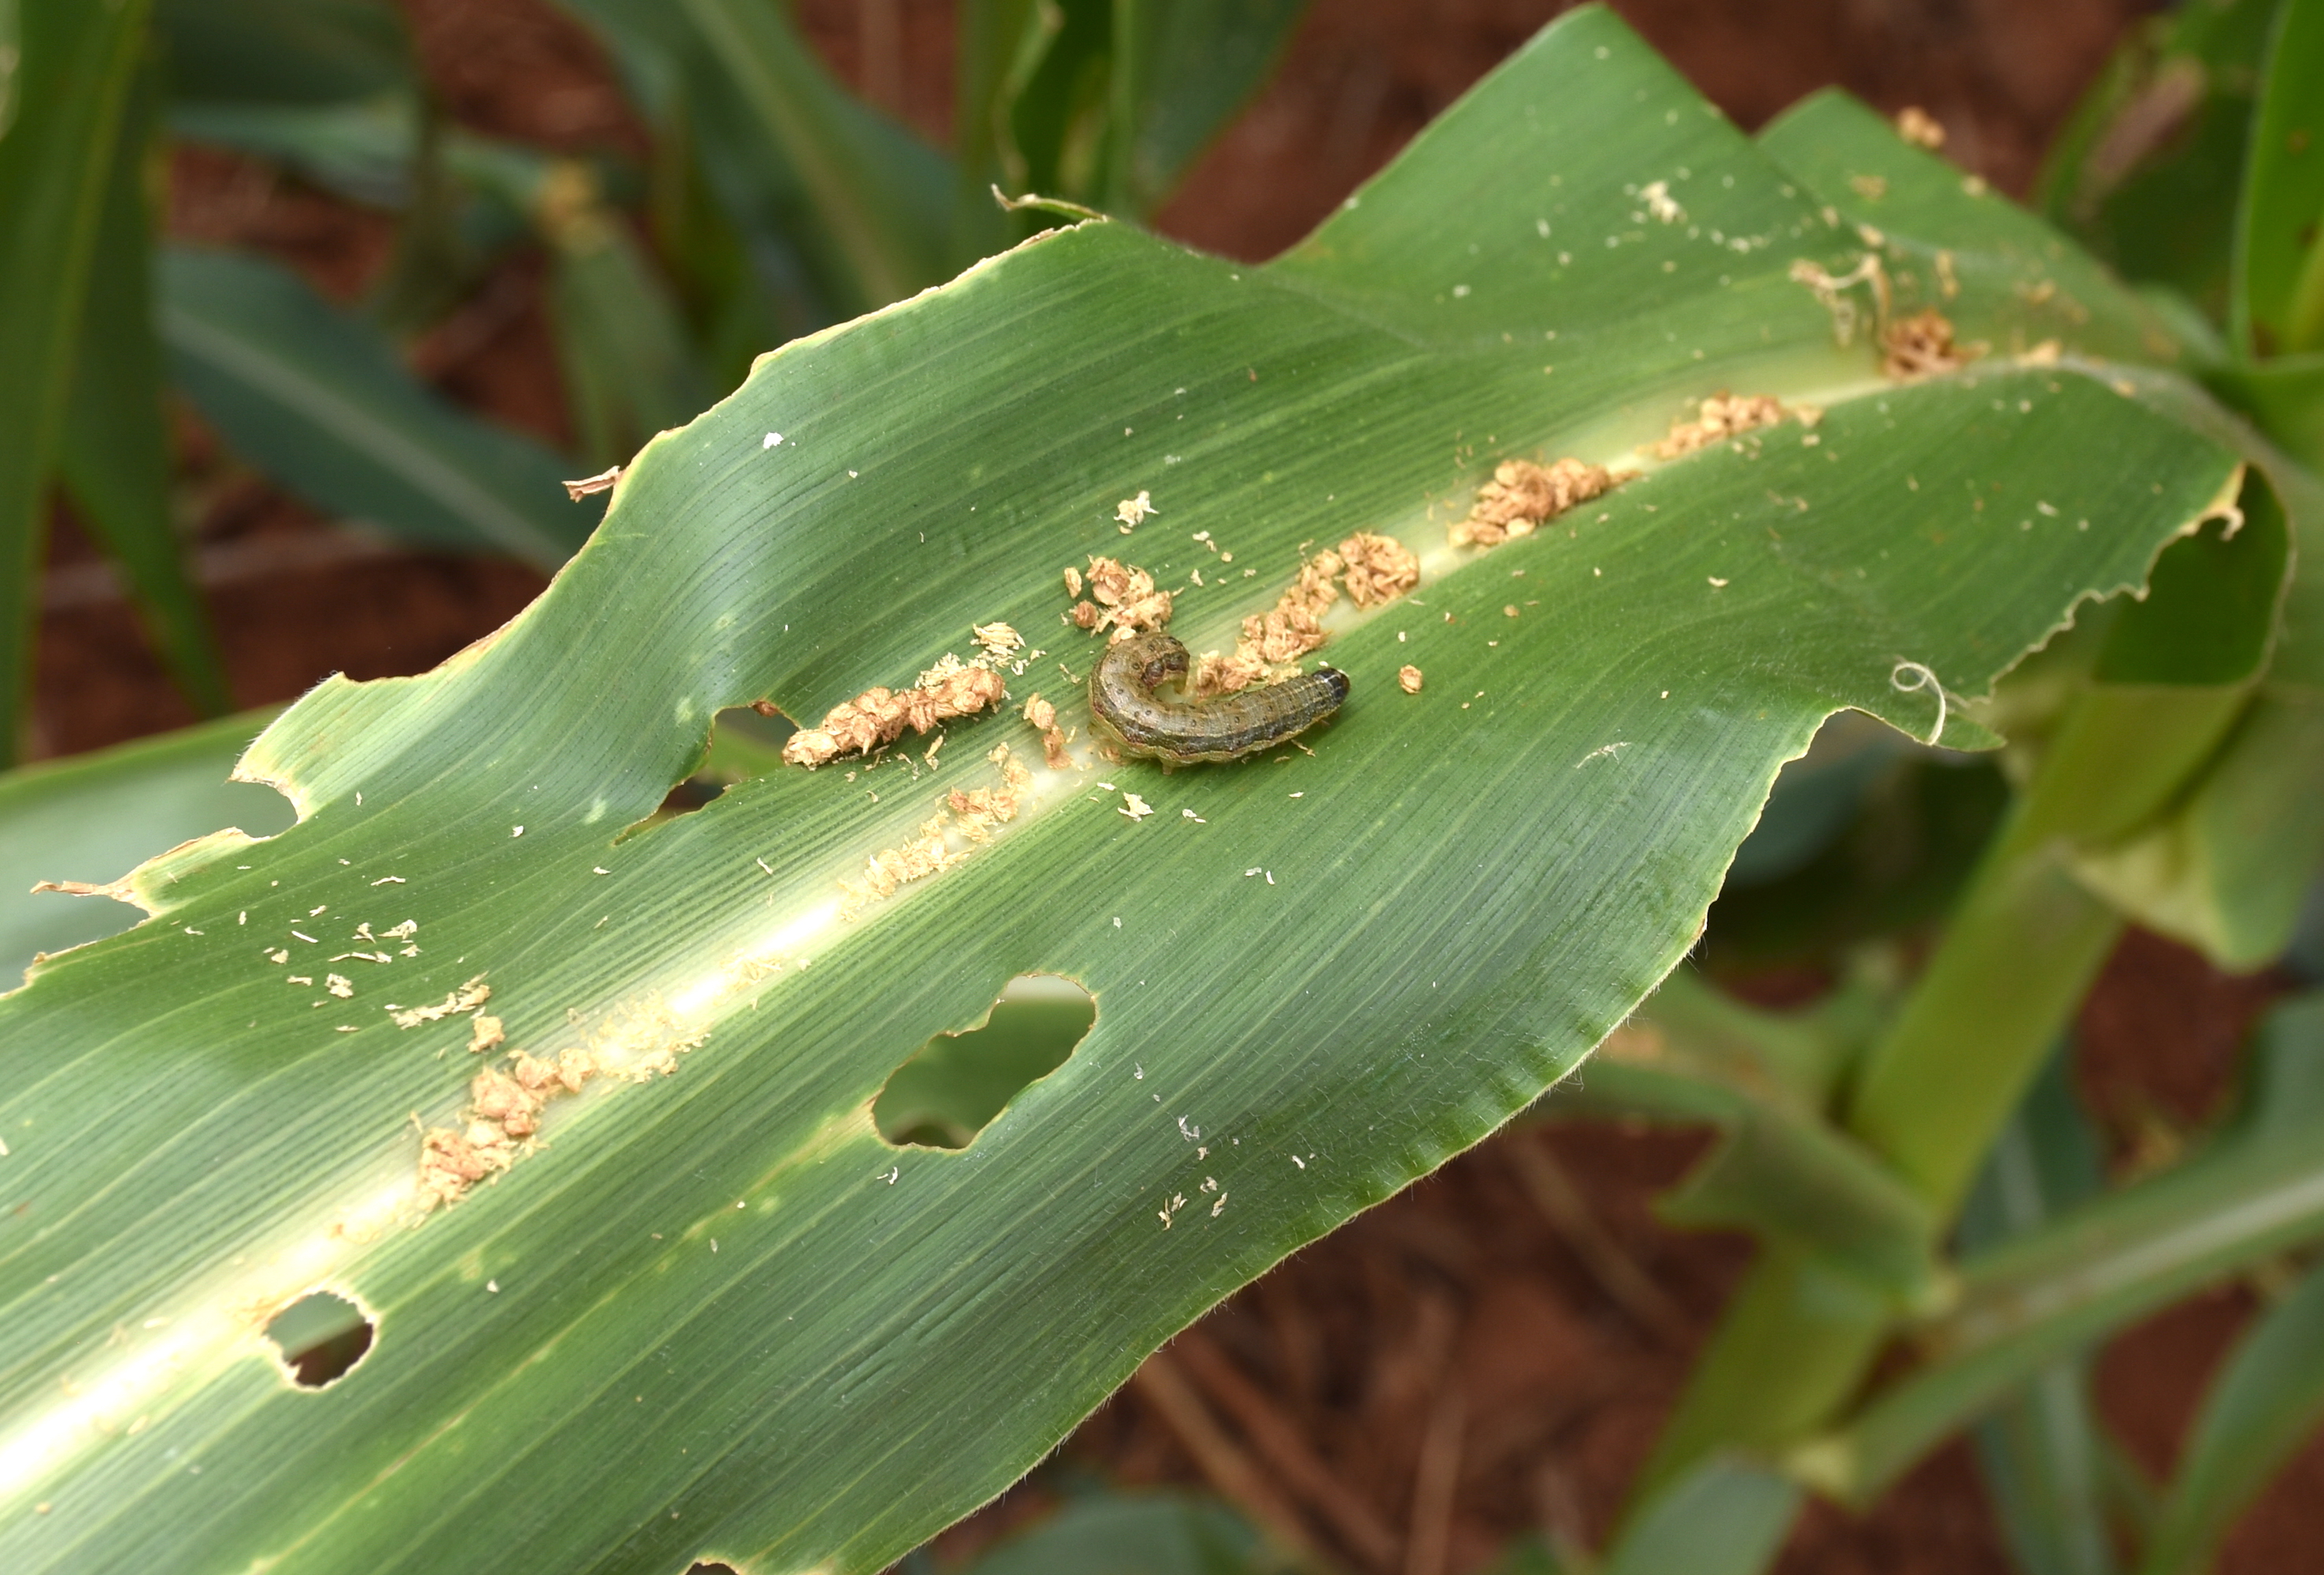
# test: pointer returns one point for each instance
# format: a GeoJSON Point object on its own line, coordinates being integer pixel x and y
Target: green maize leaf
{"type": "Point", "coordinates": [2262, 1406]}
{"type": "Point", "coordinates": [2042, 1454]}
{"type": "Point", "coordinates": [67, 99]}
{"type": "Point", "coordinates": [113, 452]}
{"type": "Point", "coordinates": [2226, 870]}
{"type": "Point", "coordinates": [282, 51]}
{"type": "Point", "coordinates": [89, 818]}
{"type": "Point", "coordinates": [318, 400]}
{"type": "Point", "coordinates": [2052, 1292]}
{"type": "Point", "coordinates": [2285, 397]}
{"type": "Point", "coordinates": [601, 1362]}
{"type": "Point", "coordinates": [2278, 307]}
{"type": "Point", "coordinates": [1916, 214]}
{"type": "Point", "coordinates": [2148, 171]}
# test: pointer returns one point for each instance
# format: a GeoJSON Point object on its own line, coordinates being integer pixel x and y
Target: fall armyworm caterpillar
{"type": "Point", "coordinates": [1223, 728]}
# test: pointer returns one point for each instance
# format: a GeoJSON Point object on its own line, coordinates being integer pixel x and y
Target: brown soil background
{"type": "Point", "coordinates": [1447, 1361]}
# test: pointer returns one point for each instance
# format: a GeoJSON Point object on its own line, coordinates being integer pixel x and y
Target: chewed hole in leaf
{"type": "Point", "coordinates": [743, 744]}
{"type": "Point", "coordinates": [956, 1083]}
{"type": "Point", "coordinates": [710, 1570]}
{"type": "Point", "coordinates": [321, 1336]}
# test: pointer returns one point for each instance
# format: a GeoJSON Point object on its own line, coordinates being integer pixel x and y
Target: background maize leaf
{"type": "Point", "coordinates": [2042, 1454]}
{"type": "Point", "coordinates": [2278, 306]}
{"type": "Point", "coordinates": [68, 96]}
{"type": "Point", "coordinates": [317, 400]}
{"type": "Point", "coordinates": [2043, 1295]}
{"type": "Point", "coordinates": [114, 451]}
{"type": "Point", "coordinates": [2264, 1403]}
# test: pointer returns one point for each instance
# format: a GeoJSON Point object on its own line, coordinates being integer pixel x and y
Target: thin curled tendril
{"type": "Point", "coordinates": [1920, 677]}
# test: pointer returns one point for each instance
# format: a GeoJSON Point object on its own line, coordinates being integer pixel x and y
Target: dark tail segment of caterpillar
{"type": "Point", "coordinates": [1227, 727]}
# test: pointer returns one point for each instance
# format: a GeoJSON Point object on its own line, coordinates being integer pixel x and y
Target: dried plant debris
{"type": "Point", "coordinates": [966, 818]}
{"type": "Point", "coordinates": [467, 999]}
{"type": "Point", "coordinates": [1522, 496]}
{"type": "Point", "coordinates": [1123, 600]}
{"type": "Point", "coordinates": [1922, 346]}
{"type": "Point", "coordinates": [587, 485]}
{"type": "Point", "coordinates": [505, 1104]}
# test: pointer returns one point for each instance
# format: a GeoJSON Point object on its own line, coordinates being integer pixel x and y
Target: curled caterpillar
{"type": "Point", "coordinates": [1182, 733]}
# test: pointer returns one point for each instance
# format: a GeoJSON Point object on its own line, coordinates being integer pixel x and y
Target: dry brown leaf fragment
{"type": "Point", "coordinates": [1922, 346]}
{"type": "Point", "coordinates": [1522, 496]}
{"type": "Point", "coordinates": [1408, 679]}
{"type": "Point", "coordinates": [601, 482]}
{"type": "Point", "coordinates": [1720, 417]}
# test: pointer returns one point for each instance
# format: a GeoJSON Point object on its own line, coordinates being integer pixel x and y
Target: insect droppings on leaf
{"type": "Point", "coordinates": [1918, 126]}
{"type": "Point", "coordinates": [1132, 512]}
{"type": "Point", "coordinates": [467, 999]}
{"type": "Point", "coordinates": [1408, 679]}
{"type": "Point", "coordinates": [1522, 496]}
{"type": "Point", "coordinates": [880, 716]}
{"type": "Point", "coordinates": [1720, 417]}
{"type": "Point", "coordinates": [1922, 346]}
